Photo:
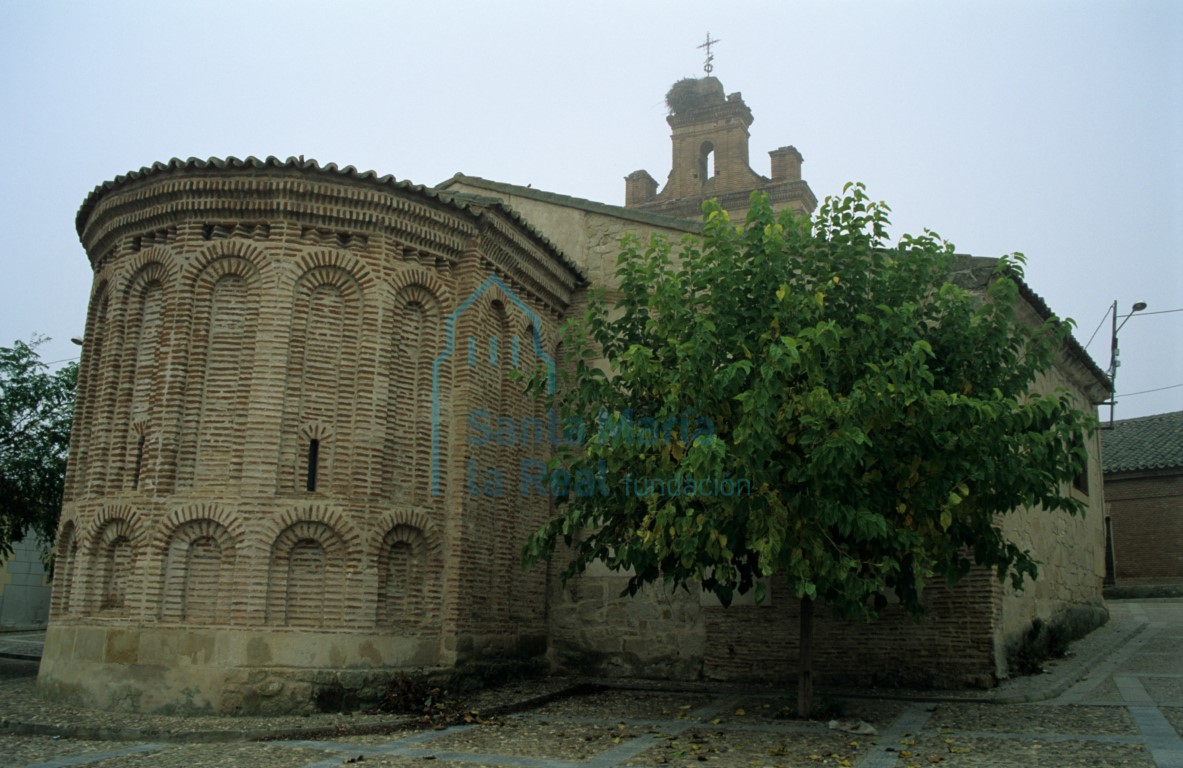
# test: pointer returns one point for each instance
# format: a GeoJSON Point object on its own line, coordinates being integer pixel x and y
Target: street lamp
{"type": "Point", "coordinates": [1114, 360]}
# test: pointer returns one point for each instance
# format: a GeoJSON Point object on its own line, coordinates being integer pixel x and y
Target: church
{"type": "Point", "coordinates": [282, 488]}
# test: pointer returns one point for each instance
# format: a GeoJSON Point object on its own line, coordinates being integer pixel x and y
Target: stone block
{"type": "Point", "coordinates": [122, 646]}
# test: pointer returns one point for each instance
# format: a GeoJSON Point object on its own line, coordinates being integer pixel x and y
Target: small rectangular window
{"type": "Point", "coordinates": [1081, 480]}
{"type": "Point", "coordinates": [313, 459]}
{"type": "Point", "coordinates": [135, 477]}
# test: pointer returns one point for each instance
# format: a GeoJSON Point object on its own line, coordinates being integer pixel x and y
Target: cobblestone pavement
{"type": "Point", "coordinates": [1118, 701]}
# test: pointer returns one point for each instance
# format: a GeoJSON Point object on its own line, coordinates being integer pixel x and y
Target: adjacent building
{"type": "Point", "coordinates": [1143, 460]}
{"type": "Point", "coordinates": [24, 587]}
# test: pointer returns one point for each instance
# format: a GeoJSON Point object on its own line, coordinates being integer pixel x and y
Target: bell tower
{"type": "Point", "coordinates": [710, 157]}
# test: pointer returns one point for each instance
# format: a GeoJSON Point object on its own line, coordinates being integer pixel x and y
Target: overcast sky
{"type": "Point", "coordinates": [1051, 128]}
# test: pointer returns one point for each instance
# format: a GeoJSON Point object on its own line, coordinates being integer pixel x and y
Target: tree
{"type": "Point", "coordinates": [36, 410]}
{"type": "Point", "coordinates": [801, 397]}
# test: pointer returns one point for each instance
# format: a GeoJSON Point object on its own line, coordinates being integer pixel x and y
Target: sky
{"type": "Point", "coordinates": [1054, 129]}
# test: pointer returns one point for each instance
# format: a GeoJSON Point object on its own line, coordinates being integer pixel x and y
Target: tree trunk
{"type": "Point", "coordinates": [805, 660]}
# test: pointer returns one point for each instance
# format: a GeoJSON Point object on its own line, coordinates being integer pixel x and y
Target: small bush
{"type": "Point", "coordinates": [430, 704]}
{"type": "Point", "coordinates": [1051, 640]}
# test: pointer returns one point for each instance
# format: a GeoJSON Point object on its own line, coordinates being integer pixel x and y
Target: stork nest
{"type": "Point", "coordinates": [691, 92]}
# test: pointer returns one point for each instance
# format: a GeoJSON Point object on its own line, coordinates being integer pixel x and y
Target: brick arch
{"type": "Point", "coordinates": [224, 303]}
{"type": "Point", "coordinates": [552, 339]}
{"type": "Point", "coordinates": [307, 584]}
{"type": "Point", "coordinates": [114, 513]}
{"type": "Point", "coordinates": [316, 430]}
{"type": "Point", "coordinates": [240, 253]}
{"type": "Point", "coordinates": [113, 551]}
{"type": "Point", "coordinates": [409, 581]}
{"type": "Point", "coordinates": [417, 293]}
{"type": "Point", "coordinates": [215, 270]}
{"type": "Point", "coordinates": [338, 266]}
{"type": "Point", "coordinates": [95, 388]}
{"type": "Point", "coordinates": [496, 307]}
{"type": "Point", "coordinates": [197, 574]}
{"type": "Point", "coordinates": [416, 340]}
{"type": "Point", "coordinates": [327, 329]}
{"type": "Point", "coordinates": [425, 279]}
{"type": "Point", "coordinates": [147, 314]}
{"type": "Point", "coordinates": [226, 517]}
{"type": "Point", "coordinates": [64, 598]}
{"type": "Point", "coordinates": [144, 269]}
{"type": "Point", "coordinates": [412, 517]}
{"type": "Point", "coordinates": [332, 517]}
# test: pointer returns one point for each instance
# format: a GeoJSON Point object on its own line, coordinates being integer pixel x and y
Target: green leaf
{"type": "Point", "coordinates": [848, 403]}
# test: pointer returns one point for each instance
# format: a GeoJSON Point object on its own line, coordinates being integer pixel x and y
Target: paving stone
{"type": "Point", "coordinates": [1021, 752]}
{"type": "Point", "coordinates": [27, 750]}
{"type": "Point", "coordinates": [1174, 716]}
{"type": "Point", "coordinates": [1034, 719]}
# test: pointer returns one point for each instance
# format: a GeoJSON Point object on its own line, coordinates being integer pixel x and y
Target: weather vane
{"type": "Point", "coordinates": [708, 67]}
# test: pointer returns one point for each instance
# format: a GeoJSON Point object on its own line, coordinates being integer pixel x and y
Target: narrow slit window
{"type": "Point", "coordinates": [313, 460]}
{"type": "Point", "coordinates": [135, 477]}
{"type": "Point", "coordinates": [1081, 481]}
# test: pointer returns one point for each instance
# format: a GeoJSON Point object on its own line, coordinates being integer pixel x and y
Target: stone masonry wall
{"type": "Point", "coordinates": [962, 641]}
{"type": "Point", "coordinates": [1070, 549]}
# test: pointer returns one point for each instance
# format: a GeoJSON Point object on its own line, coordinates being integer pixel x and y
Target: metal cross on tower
{"type": "Point", "coordinates": [708, 67]}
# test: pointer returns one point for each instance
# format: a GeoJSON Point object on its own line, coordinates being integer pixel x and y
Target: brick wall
{"type": "Point", "coordinates": [1146, 510]}
{"type": "Point", "coordinates": [950, 646]}
{"type": "Point", "coordinates": [273, 454]}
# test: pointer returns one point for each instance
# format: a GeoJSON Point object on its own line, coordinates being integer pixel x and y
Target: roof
{"type": "Point", "coordinates": [981, 269]}
{"type": "Point", "coordinates": [1148, 442]}
{"type": "Point", "coordinates": [463, 201]}
{"type": "Point", "coordinates": [642, 217]}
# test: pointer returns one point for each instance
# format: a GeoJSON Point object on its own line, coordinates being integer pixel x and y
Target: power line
{"type": "Point", "coordinates": [1143, 312]}
{"type": "Point", "coordinates": [1107, 311]}
{"type": "Point", "coordinates": [1148, 391]}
